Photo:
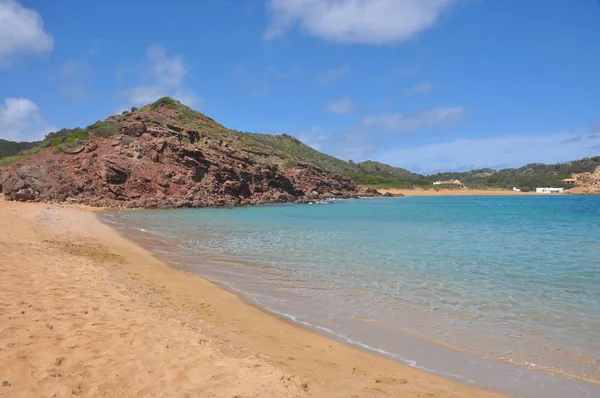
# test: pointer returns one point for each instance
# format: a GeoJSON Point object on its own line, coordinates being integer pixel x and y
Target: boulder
{"type": "Point", "coordinates": [113, 171]}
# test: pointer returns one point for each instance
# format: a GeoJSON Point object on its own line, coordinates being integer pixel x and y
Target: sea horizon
{"type": "Point", "coordinates": [497, 292]}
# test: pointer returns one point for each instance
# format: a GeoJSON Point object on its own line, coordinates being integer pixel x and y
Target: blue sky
{"type": "Point", "coordinates": [424, 84]}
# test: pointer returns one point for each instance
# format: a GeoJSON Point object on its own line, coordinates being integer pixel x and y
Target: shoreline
{"type": "Point", "coordinates": [559, 379]}
{"type": "Point", "coordinates": [458, 192]}
{"type": "Point", "coordinates": [67, 274]}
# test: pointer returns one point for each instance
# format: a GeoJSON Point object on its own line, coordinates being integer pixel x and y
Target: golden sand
{"type": "Point", "coordinates": [84, 312]}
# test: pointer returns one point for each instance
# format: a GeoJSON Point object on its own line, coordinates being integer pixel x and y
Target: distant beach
{"type": "Point", "coordinates": [455, 192]}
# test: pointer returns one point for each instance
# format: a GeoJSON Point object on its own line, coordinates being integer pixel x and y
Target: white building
{"type": "Point", "coordinates": [549, 190]}
{"type": "Point", "coordinates": [455, 183]}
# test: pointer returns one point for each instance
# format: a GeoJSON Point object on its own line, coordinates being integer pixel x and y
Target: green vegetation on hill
{"type": "Point", "coordinates": [11, 148]}
{"type": "Point", "coordinates": [377, 168]}
{"type": "Point", "coordinates": [15, 158]}
{"type": "Point", "coordinates": [297, 150]}
{"type": "Point", "coordinates": [385, 176]}
{"type": "Point", "coordinates": [366, 173]}
{"type": "Point", "coordinates": [65, 140]}
{"type": "Point", "coordinates": [288, 151]}
{"type": "Point", "coordinates": [283, 149]}
{"type": "Point", "coordinates": [527, 178]}
{"type": "Point", "coordinates": [185, 113]}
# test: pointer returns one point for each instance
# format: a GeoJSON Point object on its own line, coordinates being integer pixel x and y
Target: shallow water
{"type": "Point", "coordinates": [502, 292]}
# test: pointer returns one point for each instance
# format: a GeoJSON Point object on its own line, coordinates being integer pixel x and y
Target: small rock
{"type": "Point", "coordinates": [5, 383]}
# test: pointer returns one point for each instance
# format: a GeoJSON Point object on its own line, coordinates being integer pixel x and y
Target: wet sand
{"type": "Point", "coordinates": [455, 192]}
{"type": "Point", "coordinates": [85, 312]}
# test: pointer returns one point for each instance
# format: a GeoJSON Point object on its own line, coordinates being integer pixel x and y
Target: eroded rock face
{"type": "Point", "coordinates": [164, 165]}
{"type": "Point", "coordinates": [114, 170]}
{"type": "Point", "coordinates": [587, 183]}
{"type": "Point", "coordinates": [25, 183]}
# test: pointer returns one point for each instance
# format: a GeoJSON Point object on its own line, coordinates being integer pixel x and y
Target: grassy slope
{"type": "Point", "coordinates": [368, 173]}
{"type": "Point", "coordinates": [527, 177]}
{"type": "Point", "coordinates": [12, 148]}
{"type": "Point", "coordinates": [287, 151]}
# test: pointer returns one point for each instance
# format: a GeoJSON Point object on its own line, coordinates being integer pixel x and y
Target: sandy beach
{"type": "Point", "coordinates": [84, 312]}
{"type": "Point", "coordinates": [454, 192]}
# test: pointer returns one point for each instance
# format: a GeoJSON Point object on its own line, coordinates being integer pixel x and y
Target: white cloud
{"type": "Point", "coordinates": [419, 88]}
{"type": "Point", "coordinates": [20, 121]}
{"type": "Point", "coordinates": [510, 151]}
{"type": "Point", "coordinates": [21, 32]}
{"type": "Point", "coordinates": [255, 87]}
{"type": "Point", "coordinates": [167, 71]}
{"type": "Point", "coordinates": [343, 146]}
{"type": "Point", "coordinates": [329, 75]}
{"type": "Point", "coordinates": [167, 78]}
{"type": "Point", "coordinates": [361, 140]}
{"type": "Point", "coordinates": [314, 138]}
{"type": "Point", "coordinates": [399, 122]}
{"type": "Point", "coordinates": [70, 68]}
{"type": "Point", "coordinates": [76, 91]}
{"type": "Point", "coordinates": [142, 95]}
{"type": "Point", "coordinates": [293, 72]}
{"type": "Point", "coordinates": [356, 21]}
{"type": "Point", "coordinates": [355, 147]}
{"type": "Point", "coordinates": [341, 107]}
{"type": "Point", "coordinates": [75, 76]}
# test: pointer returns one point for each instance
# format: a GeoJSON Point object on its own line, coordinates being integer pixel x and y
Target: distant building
{"type": "Point", "coordinates": [549, 190]}
{"type": "Point", "coordinates": [569, 180]}
{"type": "Point", "coordinates": [455, 183]}
{"type": "Point", "coordinates": [516, 189]}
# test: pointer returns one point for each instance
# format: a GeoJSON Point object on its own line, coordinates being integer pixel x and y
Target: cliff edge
{"type": "Point", "coordinates": [161, 156]}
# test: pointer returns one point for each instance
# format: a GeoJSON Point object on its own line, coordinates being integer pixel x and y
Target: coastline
{"type": "Point", "coordinates": [456, 192]}
{"type": "Point", "coordinates": [86, 311]}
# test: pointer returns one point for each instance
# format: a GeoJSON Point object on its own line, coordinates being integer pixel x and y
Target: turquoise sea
{"type": "Point", "coordinates": [500, 292]}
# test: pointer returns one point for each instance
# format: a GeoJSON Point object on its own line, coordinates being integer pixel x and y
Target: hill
{"type": "Point", "coordinates": [526, 178]}
{"type": "Point", "coordinates": [165, 155]}
{"type": "Point", "coordinates": [365, 173]}
{"type": "Point", "coordinates": [167, 117]}
{"type": "Point", "coordinates": [12, 148]}
{"type": "Point", "coordinates": [283, 150]}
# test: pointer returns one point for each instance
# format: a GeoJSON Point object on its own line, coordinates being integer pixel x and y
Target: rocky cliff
{"type": "Point", "coordinates": [165, 155]}
{"type": "Point", "coordinates": [587, 183]}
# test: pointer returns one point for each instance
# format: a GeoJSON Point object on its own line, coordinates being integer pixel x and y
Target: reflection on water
{"type": "Point", "coordinates": [511, 285]}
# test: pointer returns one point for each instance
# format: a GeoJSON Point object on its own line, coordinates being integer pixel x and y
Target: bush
{"type": "Point", "coordinates": [289, 164]}
{"type": "Point", "coordinates": [166, 102]}
{"type": "Point", "coordinates": [31, 151]}
{"type": "Point", "coordinates": [10, 159]}
{"type": "Point", "coordinates": [75, 137]}
{"type": "Point", "coordinates": [105, 129]}
{"type": "Point", "coordinates": [11, 148]}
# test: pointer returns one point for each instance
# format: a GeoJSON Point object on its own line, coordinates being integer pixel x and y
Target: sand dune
{"type": "Point", "coordinates": [86, 313]}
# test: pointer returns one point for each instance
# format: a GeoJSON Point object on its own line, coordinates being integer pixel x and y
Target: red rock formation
{"type": "Point", "coordinates": [157, 161]}
{"type": "Point", "coordinates": [587, 183]}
